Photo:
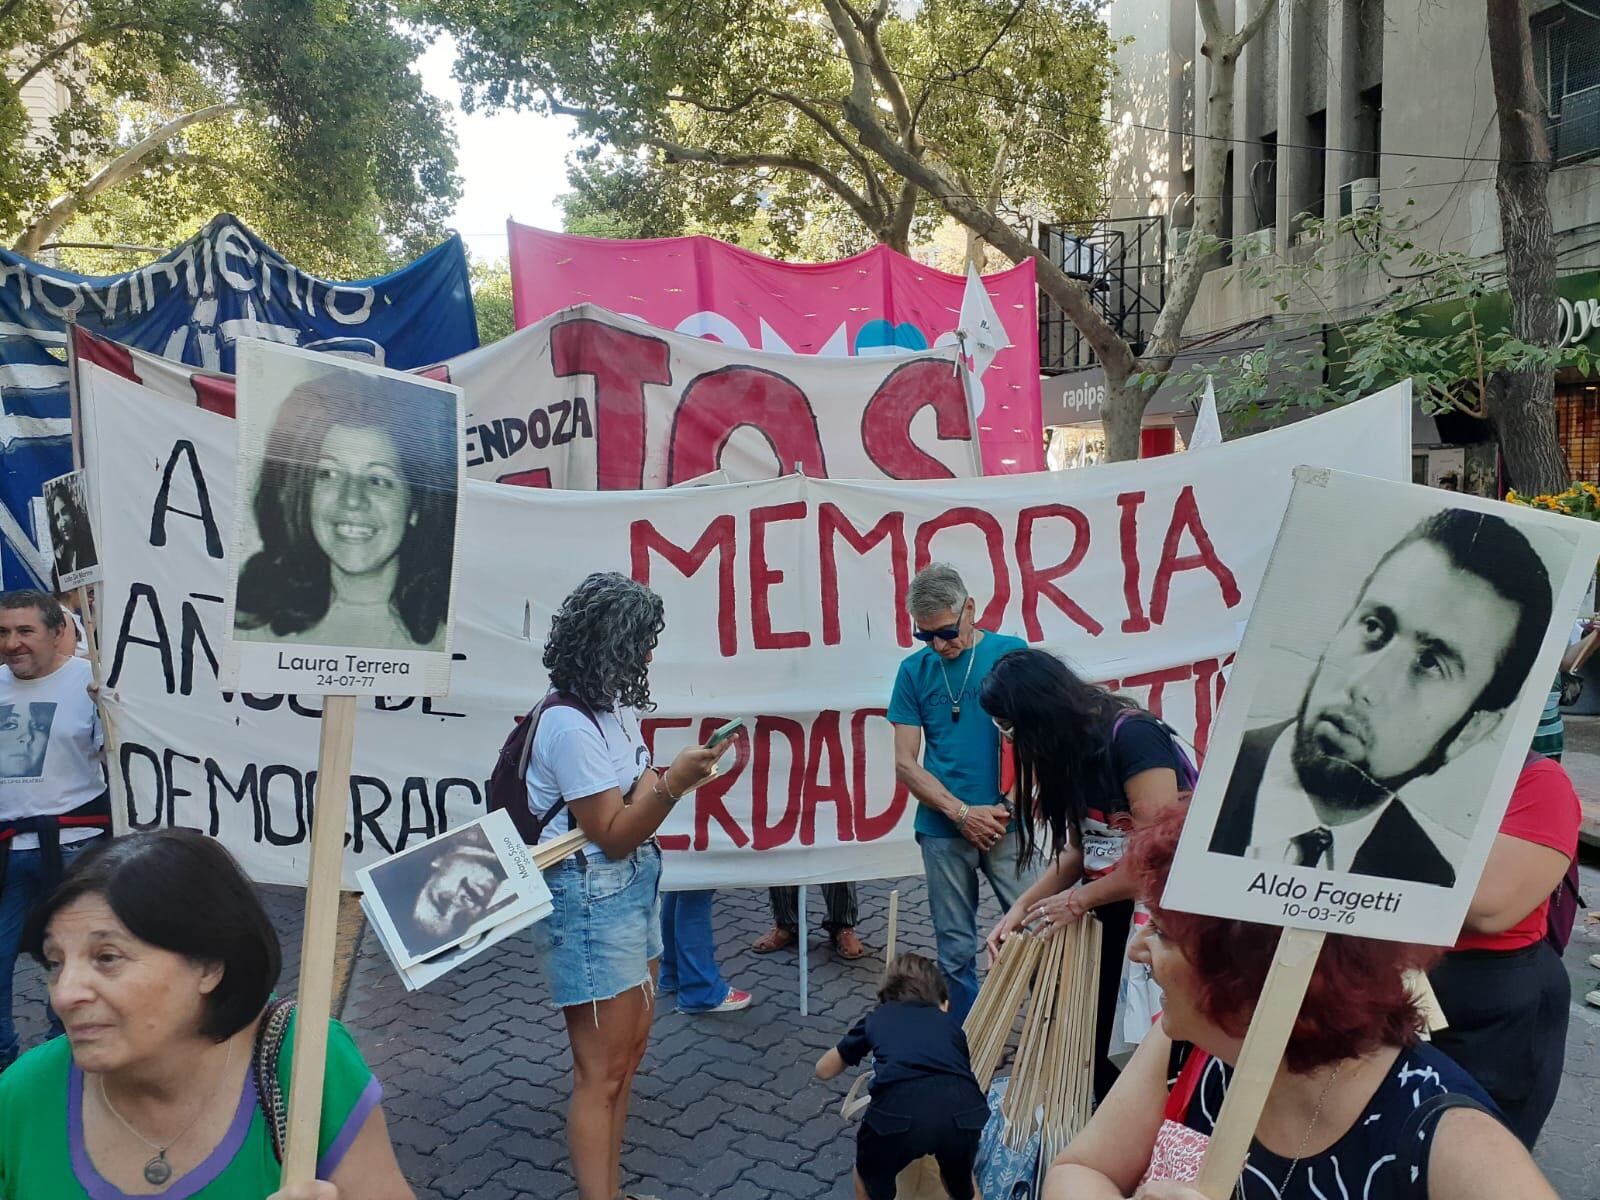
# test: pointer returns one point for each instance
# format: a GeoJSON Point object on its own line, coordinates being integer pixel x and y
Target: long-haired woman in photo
{"type": "Point", "coordinates": [589, 769]}
{"type": "Point", "coordinates": [356, 509]}
{"type": "Point", "coordinates": [1091, 767]}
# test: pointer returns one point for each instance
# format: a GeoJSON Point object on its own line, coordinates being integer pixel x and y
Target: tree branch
{"type": "Point", "coordinates": [127, 164]}
{"type": "Point", "coordinates": [92, 34]}
{"type": "Point", "coordinates": [1114, 353]}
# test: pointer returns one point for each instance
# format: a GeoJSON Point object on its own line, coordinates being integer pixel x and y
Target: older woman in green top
{"type": "Point", "coordinates": [161, 962]}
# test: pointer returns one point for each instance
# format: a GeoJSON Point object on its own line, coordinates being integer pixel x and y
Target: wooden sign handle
{"type": "Point", "coordinates": [1257, 1068]}
{"type": "Point", "coordinates": [315, 1000]}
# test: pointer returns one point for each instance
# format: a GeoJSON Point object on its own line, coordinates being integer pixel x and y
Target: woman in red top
{"type": "Point", "coordinates": [1503, 988]}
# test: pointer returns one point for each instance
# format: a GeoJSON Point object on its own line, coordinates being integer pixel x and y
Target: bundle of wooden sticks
{"type": "Point", "coordinates": [1051, 1091]}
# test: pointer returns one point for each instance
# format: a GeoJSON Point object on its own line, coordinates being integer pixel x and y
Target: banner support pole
{"type": "Point", "coordinates": [805, 966]}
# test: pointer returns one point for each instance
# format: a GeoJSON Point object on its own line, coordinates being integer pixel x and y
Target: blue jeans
{"type": "Point", "coordinates": [688, 953]}
{"type": "Point", "coordinates": [23, 889]}
{"type": "Point", "coordinates": [952, 865]}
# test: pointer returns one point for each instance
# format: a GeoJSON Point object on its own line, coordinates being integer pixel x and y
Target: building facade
{"type": "Point", "coordinates": [1343, 104]}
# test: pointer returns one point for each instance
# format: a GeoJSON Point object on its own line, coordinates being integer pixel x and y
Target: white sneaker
{"type": "Point", "coordinates": [1594, 960]}
{"type": "Point", "coordinates": [1593, 998]}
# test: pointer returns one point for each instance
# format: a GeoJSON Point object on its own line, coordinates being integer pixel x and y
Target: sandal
{"type": "Point", "coordinates": [847, 945]}
{"type": "Point", "coordinates": [776, 938]}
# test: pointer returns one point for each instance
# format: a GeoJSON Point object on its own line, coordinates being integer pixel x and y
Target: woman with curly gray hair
{"type": "Point", "coordinates": [590, 769]}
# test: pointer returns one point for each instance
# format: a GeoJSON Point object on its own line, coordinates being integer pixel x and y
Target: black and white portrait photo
{"type": "Point", "coordinates": [66, 503]}
{"type": "Point", "coordinates": [24, 739]}
{"type": "Point", "coordinates": [437, 900]}
{"type": "Point", "coordinates": [347, 527]}
{"type": "Point", "coordinates": [1381, 704]}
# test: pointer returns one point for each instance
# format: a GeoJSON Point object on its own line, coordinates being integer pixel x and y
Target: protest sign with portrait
{"type": "Point", "coordinates": [437, 903]}
{"type": "Point", "coordinates": [344, 551]}
{"type": "Point", "coordinates": [1380, 708]}
{"type": "Point", "coordinates": [72, 545]}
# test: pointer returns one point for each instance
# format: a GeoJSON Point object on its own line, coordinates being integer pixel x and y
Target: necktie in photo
{"type": "Point", "coordinates": [1309, 848]}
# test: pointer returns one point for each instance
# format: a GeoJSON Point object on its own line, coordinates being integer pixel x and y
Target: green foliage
{"type": "Point", "coordinates": [491, 297]}
{"type": "Point", "coordinates": [742, 103]}
{"type": "Point", "coordinates": [332, 149]}
{"type": "Point", "coordinates": [1443, 323]}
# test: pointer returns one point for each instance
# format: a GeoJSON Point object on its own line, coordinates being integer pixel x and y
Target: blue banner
{"type": "Point", "coordinates": [193, 305]}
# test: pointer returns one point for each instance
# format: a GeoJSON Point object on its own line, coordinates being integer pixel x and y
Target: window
{"type": "Point", "coordinates": [1578, 429]}
{"type": "Point", "coordinates": [1566, 66]}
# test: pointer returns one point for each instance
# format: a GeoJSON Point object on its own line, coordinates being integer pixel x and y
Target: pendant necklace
{"type": "Point", "coordinates": [1305, 1140]}
{"type": "Point", "coordinates": [955, 697]}
{"type": "Point", "coordinates": [158, 1170]}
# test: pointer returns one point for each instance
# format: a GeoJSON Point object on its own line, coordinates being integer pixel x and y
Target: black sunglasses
{"type": "Point", "coordinates": [948, 634]}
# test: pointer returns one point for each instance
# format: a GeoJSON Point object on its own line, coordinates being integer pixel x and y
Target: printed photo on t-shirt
{"type": "Point", "coordinates": [25, 739]}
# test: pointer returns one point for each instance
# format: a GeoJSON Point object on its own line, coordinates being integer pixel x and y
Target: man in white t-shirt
{"type": "Point", "coordinates": [53, 796]}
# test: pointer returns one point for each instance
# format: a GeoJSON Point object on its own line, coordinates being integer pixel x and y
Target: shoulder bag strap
{"type": "Point", "coordinates": [264, 1061]}
{"type": "Point", "coordinates": [1183, 1090]}
{"type": "Point", "coordinates": [552, 700]}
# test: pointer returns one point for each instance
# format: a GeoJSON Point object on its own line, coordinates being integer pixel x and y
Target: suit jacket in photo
{"type": "Point", "coordinates": [1397, 847]}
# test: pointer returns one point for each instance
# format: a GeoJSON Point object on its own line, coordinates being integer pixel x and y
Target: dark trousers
{"type": "Point", "coordinates": [1508, 1027]}
{"type": "Point", "coordinates": [1115, 919]}
{"type": "Point", "coordinates": [938, 1115]}
{"type": "Point", "coordinates": [839, 897]}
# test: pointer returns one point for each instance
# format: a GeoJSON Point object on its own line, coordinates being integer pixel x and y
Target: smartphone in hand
{"type": "Point", "coordinates": [723, 734]}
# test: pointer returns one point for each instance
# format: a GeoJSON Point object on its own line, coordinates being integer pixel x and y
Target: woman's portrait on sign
{"type": "Point", "coordinates": [354, 505]}
{"type": "Point", "coordinates": [66, 502]}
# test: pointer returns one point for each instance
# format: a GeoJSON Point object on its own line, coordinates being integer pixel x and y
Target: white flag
{"type": "Point", "coordinates": [982, 335]}
{"type": "Point", "coordinates": [1207, 427]}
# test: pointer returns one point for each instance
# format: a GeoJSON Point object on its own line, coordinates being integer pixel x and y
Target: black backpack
{"type": "Point", "coordinates": [508, 787]}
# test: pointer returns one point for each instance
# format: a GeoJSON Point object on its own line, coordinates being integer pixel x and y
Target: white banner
{"type": "Point", "coordinates": [586, 399]}
{"type": "Point", "coordinates": [784, 603]}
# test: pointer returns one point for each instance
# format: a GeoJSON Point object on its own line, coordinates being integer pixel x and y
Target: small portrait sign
{"type": "Point", "coordinates": [343, 569]}
{"type": "Point", "coordinates": [66, 506]}
{"type": "Point", "coordinates": [1380, 708]}
{"type": "Point", "coordinates": [438, 904]}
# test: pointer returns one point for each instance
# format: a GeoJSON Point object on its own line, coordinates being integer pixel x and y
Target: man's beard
{"type": "Point", "coordinates": [1338, 782]}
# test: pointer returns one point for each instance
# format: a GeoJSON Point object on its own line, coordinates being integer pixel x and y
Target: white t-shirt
{"type": "Point", "coordinates": [572, 758]}
{"type": "Point", "coordinates": [50, 748]}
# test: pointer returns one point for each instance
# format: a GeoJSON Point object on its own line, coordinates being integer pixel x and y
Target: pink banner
{"type": "Point", "coordinates": [879, 302]}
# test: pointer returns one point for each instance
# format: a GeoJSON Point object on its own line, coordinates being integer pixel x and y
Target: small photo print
{"type": "Point", "coordinates": [66, 505]}
{"type": "Point", "coordinates": [432, 899]}
{"type": "Point", "coordinates": [1380, 708]}
{"type": "Point", "coordinates": [342, 578]}
{"type": "Point", "coordinates": [25, 740]}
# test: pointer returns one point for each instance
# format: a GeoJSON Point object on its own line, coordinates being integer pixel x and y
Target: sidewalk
{"type": "Point", "coordinates": [474, 1069]}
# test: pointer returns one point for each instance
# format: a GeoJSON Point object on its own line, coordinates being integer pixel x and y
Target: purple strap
{"type": "Point", "coordinates": [1187, 776]}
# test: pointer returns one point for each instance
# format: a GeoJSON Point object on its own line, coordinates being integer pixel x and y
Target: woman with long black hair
{"type": "Point", "coordinates": [1091, 767]}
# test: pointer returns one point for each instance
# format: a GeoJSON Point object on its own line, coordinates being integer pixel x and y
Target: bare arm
{"type": "Point", "coordinates": [984, 825]}
{"type": "Point", "coordinates": [368, 1170]}
{"type": "Point", "coordinates": [831, 1064]}
{"type": "Point", "coordinates": [1106, 1160]}
{"type": "Point", "coordinates": [618, 826]}
{"type": "Point", "coordinates": [1474, 1157]}
{"type": "Point", "coordinates": [1517, 878]}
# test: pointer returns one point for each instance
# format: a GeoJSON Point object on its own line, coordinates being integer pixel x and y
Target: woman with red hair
{"type": "Point", "coordinates": [1360, 1107]}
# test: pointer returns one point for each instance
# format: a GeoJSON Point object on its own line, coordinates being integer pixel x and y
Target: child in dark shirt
{"type": "Point", "coordinates": [925, 1099]}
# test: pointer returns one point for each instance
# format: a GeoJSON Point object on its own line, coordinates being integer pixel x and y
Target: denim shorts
{"type": "Point", "coordinates": [605, 928]}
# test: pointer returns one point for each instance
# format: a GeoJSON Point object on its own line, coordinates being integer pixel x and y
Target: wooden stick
{"type": "Point", "coordinates": [894, 930]}
{"type": "Point", "coordinates": [1270, 1027]}
{"type": "Point", "coordinates": [315, 1001]}
{"type": "Point", "coordinates": [548, 854]}
{"type": "Point", "coordinates": [805, 962]}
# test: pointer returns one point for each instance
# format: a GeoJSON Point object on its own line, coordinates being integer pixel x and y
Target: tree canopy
{"type": "Point", "coordinates": [744, 99]}
{"type": "Point", "coordinates": [302, 116]}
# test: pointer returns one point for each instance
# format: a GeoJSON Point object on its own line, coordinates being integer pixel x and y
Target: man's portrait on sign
{"type": "Point", "coordinates": [1378, 708]}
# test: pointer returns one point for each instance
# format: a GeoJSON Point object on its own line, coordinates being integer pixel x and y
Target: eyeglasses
{"type": "Point", "coordinates": [1007, 730]}
{"type": "Point", "coordinates": [948, 634]}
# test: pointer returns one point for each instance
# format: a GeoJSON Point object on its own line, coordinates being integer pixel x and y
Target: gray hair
{"type": "Point", "coordinates": [49, 607]}
{"type": "Point", "coordinates": [600, 640]}
{"type": "Point", "coordinates": [937, 588]}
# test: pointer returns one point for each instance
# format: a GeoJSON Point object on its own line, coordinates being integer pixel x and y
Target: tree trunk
{"type": "Point", "coordinates": [1522, 405]}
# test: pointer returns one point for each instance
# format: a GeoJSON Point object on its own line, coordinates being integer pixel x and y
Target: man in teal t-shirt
{"type": "Point", "coordinates": [947, 751]}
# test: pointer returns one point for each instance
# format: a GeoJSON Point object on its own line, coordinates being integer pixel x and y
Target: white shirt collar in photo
{"type": "Point", "coordinates": [1284, 811]}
